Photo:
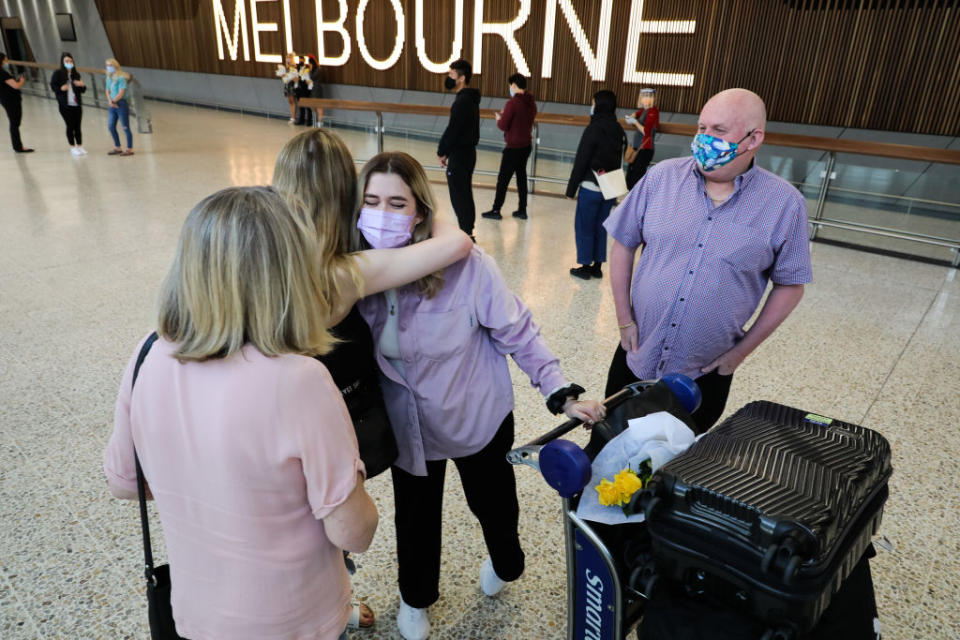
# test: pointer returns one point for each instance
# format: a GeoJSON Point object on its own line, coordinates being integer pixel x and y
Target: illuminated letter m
{"type": "Point", "coordinates": [223, 30]}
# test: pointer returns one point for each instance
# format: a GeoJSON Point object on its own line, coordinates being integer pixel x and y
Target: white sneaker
{"type": "Point", "coordinates": [412, 623]}
{"type": "Point", "coordinates": [490, 582]}
{"type": "Point", "coordinates": [74, 151]}
{"type": "Point", "coordinates": [291, 120]}
{"type": "Point", "coordinates": [82, 151]}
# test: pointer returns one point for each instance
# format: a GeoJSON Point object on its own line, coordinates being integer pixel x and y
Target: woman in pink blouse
{"type": "Point", "coordinates": [441, 345]}
{"type": "Point", "coordinates": [244, 440]}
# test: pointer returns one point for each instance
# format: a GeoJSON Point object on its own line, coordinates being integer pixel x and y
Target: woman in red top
{"type": "Point", "coordinates": [646, 120]}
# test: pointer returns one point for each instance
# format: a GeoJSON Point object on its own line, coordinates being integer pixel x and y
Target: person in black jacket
{"type": "Point", "coordinates": [68, 86]}
{"type": "Point", "coordinates": [12, 102]}
{"type": "Point", "coordinates": [457, 150]}
{"type": "Point", "coordinates": [601, 149]}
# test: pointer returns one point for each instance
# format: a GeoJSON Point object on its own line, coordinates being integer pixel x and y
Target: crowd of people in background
{"type": "Point", "coordinates": [300, 76]}
{"type": "Point", "coordinates": [68, 87]}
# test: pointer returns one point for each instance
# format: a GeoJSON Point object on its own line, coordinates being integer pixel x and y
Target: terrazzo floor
{"type": "Point", "coordinates": [84, 243]}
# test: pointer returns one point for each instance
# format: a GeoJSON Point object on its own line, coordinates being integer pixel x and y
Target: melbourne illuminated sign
{"type": "Point", "coordinates": [232, 35]}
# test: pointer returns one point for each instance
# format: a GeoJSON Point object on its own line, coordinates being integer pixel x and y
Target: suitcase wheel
{"type": "Point", "coordinates": [790, 572]}
{"type": "Point", "coordinates": [768, 558]}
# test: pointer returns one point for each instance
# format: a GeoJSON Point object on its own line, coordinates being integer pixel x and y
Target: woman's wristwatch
{"type": "Point", "coordinates": [559, 397]}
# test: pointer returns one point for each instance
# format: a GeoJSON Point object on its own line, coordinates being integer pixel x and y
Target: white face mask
{"type": "Point", "coordinates": [512, 92]}
{"type": "Point", "coordinates": [68, 65]}
{"type": "Point", "coordinates": [111, 69]}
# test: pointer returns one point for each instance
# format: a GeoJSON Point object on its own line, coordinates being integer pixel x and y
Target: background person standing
{"type": "Point", "coordinates": [516, 122]}
{"type": "Point", "coordinates": [600, 150]}
{"type": "Point", "coordinates": [117, 80]}
{"type": "Point", "coordinates": [12, 102]}
{"type": "Point", "coordinates": [457, 150]}
{"type": "Point", "coordinates": [646, 120]}
{"type": "Point", "coordinates": [68, 86]}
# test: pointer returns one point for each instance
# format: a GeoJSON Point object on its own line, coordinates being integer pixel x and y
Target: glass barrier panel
{"type": "Point", "coordinates": [899, 196]}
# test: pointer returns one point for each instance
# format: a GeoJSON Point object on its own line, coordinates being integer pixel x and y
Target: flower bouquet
{"type": "Point", "coordinates": [625, 484]}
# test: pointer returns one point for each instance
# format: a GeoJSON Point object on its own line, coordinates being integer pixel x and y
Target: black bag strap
{"type": "Point", "coordinates": [141, 483]}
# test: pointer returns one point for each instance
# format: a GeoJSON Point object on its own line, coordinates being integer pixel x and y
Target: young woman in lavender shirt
{"type": "Point", "coordinates": [441, 345]}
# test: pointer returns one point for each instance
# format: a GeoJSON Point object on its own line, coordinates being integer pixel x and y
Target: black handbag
{"type": "Point", "coordinates": [159, 610]}
{"type": "Point", "coordinates": [375, 437]}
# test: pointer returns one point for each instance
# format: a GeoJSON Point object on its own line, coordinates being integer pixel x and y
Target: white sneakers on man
{"type": "Point", "coordinates": [78, 151]}
{"type": "Point", "coordinates": [82, 151]}
{"type": "Point", "coordinates": [412, 623]}
{"type": "Point", "coordinates": [490, 582]}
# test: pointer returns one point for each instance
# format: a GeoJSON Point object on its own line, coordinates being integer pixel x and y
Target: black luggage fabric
{"type": "Point", "coordinates": [675, 614]}
{"type": "Point", "coordinates": [770, 512]}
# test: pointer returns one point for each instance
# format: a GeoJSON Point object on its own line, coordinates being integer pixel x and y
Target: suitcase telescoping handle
{"type": "Point", "coordinates": [563, 464]}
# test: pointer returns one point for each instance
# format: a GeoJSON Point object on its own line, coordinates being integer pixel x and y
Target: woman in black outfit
{"type": "Point", "coordinates": [68, 86]}
{"type": "Point", "coordinates": [12, 102]}
{"type": "Point", "coordinates": [600, 150]}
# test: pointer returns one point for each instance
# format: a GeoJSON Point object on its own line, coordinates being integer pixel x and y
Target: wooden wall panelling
{"type": "Point", "coordinates": [849, 63]}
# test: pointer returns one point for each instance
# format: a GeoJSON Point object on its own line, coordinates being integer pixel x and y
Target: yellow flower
{"type": "Point", "coordinates": [609, 493]}
{"type": "Point", "coordinates": [618, 493]}
{"type": "Point", "coordinates": [628, 483]}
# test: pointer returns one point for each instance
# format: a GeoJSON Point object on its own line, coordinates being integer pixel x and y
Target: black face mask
{"type": "Point", "coordinates": [449, 83]}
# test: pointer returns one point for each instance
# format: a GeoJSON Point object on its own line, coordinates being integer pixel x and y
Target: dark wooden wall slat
{"type": "Point", "coordinates": [869, 64]}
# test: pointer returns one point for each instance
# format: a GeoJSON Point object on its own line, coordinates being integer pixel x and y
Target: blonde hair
{"type": "Point", "coordinates": [412, 173]}
{"type": "Point", "coordinates": [243, 272]}
{"type": "Point", "coordinates": [116, 65]}
{"type": "Point", "coordinates": [315, 175]}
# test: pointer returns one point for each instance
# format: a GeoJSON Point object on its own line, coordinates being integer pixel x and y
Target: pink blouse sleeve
{"type": "Point", "coordinates": [118, 464]}
{"type": "Point", "coordinates": [314, 411]}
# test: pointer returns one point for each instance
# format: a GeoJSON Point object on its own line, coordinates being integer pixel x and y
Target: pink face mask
{"type": "Point", "coordinates": [383, 229]}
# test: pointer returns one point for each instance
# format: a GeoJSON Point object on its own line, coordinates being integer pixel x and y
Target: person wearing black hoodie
{"type": "Point", "coordinates": [12, 102]}
{"type": "Point", "coordinates": [68, 86]}
{"type": "Point", "coordinates": [600, 150]}
{"type": "Point", "coordinates": [516, 122]}
{"type": "Point", "coordinates": [457, 150]}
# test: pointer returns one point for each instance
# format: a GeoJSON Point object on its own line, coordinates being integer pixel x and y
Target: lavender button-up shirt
{"type": "Point", "coordinates": [703, 269]}
{"type": "Point", "coordinates": [453, 347]}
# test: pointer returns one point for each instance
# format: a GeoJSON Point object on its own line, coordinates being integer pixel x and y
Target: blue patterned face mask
{"type": "Point", "coordinates": [712, 153]}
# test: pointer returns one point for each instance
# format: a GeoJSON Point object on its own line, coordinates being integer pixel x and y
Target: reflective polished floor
{"type": "Point", "coordinates": [84, 243]}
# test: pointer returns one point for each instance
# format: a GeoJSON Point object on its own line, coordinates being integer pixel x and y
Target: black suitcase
{"type": "Point", "coordinates": [769, 512]}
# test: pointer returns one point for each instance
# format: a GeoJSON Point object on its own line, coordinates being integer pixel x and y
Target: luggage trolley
{"type": "Point", "coordinates": [601, 604]}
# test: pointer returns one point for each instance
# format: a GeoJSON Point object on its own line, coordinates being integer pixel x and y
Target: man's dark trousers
{"type": "Point", "coordinates": [512, 161]}
{"type": "Point", "coordinates": [15, 114]}
{"type": "Point", "coordinates": [460, 164]}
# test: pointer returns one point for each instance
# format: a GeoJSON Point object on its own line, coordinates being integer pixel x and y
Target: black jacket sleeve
{"type": "Point", "coordinates": [460, 118]}
{"type": "Point", "coordinates": [581, 162]}
{"type": "Point", "coordinates": [57, 80]}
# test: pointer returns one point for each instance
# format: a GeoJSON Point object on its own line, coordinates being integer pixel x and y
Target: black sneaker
{"type": "Point", "coordinates": [520, 214]}
{"type": "Point", "coordinates": [493, 214]}
{"type": "Point", "coordinates": [584, 272]}
{"type": "Point", "coordinates": [595, 270]}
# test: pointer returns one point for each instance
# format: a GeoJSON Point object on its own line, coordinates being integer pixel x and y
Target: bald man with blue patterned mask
{"type": "Point", "coordinates": [715, 230]}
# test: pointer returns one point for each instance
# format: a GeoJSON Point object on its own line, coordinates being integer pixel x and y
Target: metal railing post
{"type": "Point", "coordinates": [822, 197]}
{"type": "Point", "coordinates": [532, 176]}
{"type": "Point", "coordinates": [96, 93]}
{"type": "Point", "coordinates": [144, 123]}
{"type": "Point", "coordinates": [379, 132]}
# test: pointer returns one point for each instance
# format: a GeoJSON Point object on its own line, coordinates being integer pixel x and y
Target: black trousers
{"type": "Point", "coordinates": [460, 164]}
{"type": "Point", "coordinates": [14, 109]}
{"type": "Point", "coordinates": [638, 168]}
{"type": "Point", "coordinates": [491, 492]}
{"type": "Point", "coordinates": [714, 387]}
{"type": "Point", "coordinates": [512, 161]}
{"type": "Point", "coordinates": [72, 117]}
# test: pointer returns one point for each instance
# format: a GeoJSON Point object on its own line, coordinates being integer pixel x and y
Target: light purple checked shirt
{"type": "Point", "coordinates": [703, 269]}
{"type": "Point", "coordinates": [457, 390]}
